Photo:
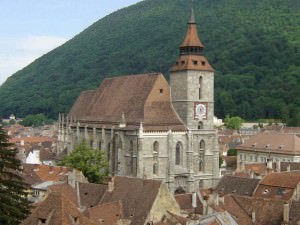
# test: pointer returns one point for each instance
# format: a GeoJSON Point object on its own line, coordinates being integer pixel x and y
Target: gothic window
{"type": "Point", "coordinates": [155, 168]}
{"type": "Point", "coordinates": [108, 152]}
{"type": "Point", "coordinates": [155, 147]}
{"type": "Point", "coordinates": [201, 161]}
{"type": "Point", "coordinates": [200, 125]}
{"type": "Point", "coordinates": [178, 157]}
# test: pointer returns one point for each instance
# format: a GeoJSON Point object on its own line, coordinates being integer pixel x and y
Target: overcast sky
{"type": "Point", "coordinates": [31, 28]}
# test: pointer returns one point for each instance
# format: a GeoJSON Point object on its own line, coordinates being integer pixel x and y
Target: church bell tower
{"type": "Point", "coordinates": [192, 82]}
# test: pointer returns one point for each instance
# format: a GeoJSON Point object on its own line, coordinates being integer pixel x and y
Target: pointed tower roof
{"type": "Point", "coordinates": [191, 38]}
{"type": "Point", "coordinates": [191, 57]}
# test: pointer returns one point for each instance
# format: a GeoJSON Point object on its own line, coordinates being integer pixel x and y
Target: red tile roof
{"type": "Point", "coordinates": [140, 98]}
{"type": "Point", "coordinates": [45, 172]}
{"type": "Point", "coordinates": [57, 209]}
{"type": "Point", "coordinates": [273, 142]}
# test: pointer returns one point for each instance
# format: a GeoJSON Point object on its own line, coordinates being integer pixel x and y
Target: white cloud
{"type": "Point", "coordinates": [16, 53]}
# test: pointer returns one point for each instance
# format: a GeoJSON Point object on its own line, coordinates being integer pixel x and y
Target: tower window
{"type": "Point", "coordinates": [200, 87]}
{"type": "Point", "coordinates": [202, 145]}
{"type": "Point", "coordinates": [200, 125]}
{"type": "Point", "coordinates": [161, 90]}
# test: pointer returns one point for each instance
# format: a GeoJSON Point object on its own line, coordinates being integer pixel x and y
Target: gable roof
{"type": "Point", "coordinates": [45, 172]}
{"type": "Point", "coordinates": [239, 185]}
{"type": "Point", "coordinates": [106, 214]}
{"type": "Point", "coordinates": [283, 179]}
{"type": "Point", "coordinates": [267, 211]}
{"type": "Point", "coordinates": [57, 209]}
{"type": "Point", "coordinates": [136, 195]}
{"type": "Point", "coordinates": [140, 98]}
{"type": "Point", "coordinates": [185, 203]}
{"type": "Point", "coordinates": [273, 142]}
{"type": "Point", "coordinates": [91, 194]}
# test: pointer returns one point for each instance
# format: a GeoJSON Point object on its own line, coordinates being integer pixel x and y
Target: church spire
{"type": "Point", "coordinates": [190, 57]}
{"type": "Point", "coordinates": [191, 44]}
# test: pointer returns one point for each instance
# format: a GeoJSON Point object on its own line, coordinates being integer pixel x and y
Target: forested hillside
{"type": "Point", "coordinates": [252, 44]}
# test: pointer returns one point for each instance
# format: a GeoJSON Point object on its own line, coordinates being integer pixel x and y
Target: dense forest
{"type": "Point", "coordinates": [252, 44]}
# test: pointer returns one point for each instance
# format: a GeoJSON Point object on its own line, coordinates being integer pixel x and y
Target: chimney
{"type": "Point", "coordinates": [78, 194]}
{"type": "Point", "coordinates": [205, 205]}
{"type": "Point", "coordinates": [221, 198]}
{"type": "Point", "coordinates": [253, 216]}
{"type": "Point", "coordinates": [111, 184]}
{"type": "Point", "coordinates": [286, 213]}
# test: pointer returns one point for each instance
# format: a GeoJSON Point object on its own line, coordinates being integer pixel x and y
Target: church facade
{"type": "Point", "coordinates": [150, 129]}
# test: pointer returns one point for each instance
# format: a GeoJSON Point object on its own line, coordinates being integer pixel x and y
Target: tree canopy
{"type": "Point", "coordinates": [36, 120]}
{"type": "Point", "coordinates": [14, 206]}
{"type": "Point", "coordinates": [91, 162]}
{"type": "Point", "coordinates": [234, 123]}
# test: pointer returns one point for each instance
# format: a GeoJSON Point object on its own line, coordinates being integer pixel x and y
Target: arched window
{"type": "Point", "coordinates": [202, 145]}
{"type": "Point", "coordinates": [200, 125]}
{"type": "Point", "coordinates": [201, 155]}
{"type": "Point", "coordinates": [178, 156]}
{"type": "Point", "coordinates": [155, 168]}
{"type": "Point", "coordinates": [200, 164]}
{"type": "Point", "coordinates": [155, 147]}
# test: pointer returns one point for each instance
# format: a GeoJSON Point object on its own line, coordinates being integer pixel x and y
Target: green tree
{"type": "Point", "coordinates": [91, 162]}
{"type": "Point", "coordinates": [36, 120]}
{"type": "Point", "coordinates": [232, 152]}
{"type": "Point", "coordinates": [234, 123]}
{"type": "Point", "coordinates": [14, 206]}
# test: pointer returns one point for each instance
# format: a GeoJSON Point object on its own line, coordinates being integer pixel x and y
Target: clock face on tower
{"type": "Point", "coordinates": [200, 110]}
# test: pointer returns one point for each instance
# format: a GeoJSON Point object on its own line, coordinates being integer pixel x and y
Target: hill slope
{"type": "Point", "coordinates": [253, 45]}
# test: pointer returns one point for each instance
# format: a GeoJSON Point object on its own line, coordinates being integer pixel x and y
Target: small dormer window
{"type": "Point", "coordinates": [182, 62]}
{"type": "Point", "coordinates": [203, 63]}
{"type": "Point", "coordinates": [195, 62]}
{"type": "Point", "coordinates": [42, 221]}
{"type": "Point", "coordinates": [161, 90]}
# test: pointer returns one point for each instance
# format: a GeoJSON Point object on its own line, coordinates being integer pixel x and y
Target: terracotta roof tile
{"type": "Point", "coordinates": [91, 194]}
{"type": "Point", "coordinates": [273, 142]}
{"type": "Point", "coordinates": [140, 98]}
{"type": "Point", "coordinates": [57, 210]}
{"type": "Point", "coordinates": [185, 203]}
{"type": "Point", "coordinates": [239, 185]}
{"type": "Point", "coordinates": [192, 62]}
{"type": "Point", "coordinates": [45, 172]}
{"type": "Point", "coordinates": [284, 179]}
{"type": "Point", "coordinates": [137, 197]}
{"type": "Point", "coordinates": [106, 214]}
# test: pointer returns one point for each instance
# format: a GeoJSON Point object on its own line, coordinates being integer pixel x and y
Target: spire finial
{"type": "Point", "coordinates": [192, 18]}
